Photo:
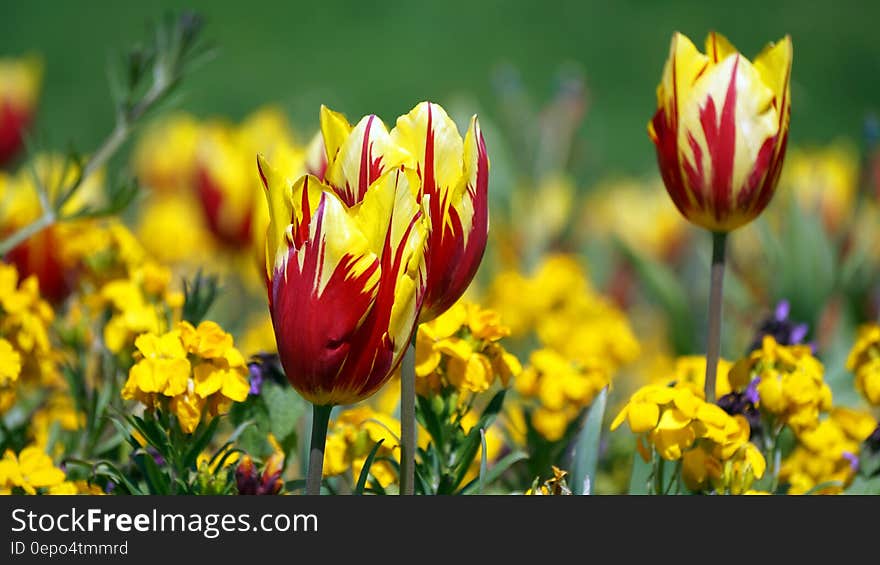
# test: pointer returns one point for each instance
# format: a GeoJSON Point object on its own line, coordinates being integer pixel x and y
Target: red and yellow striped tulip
{"type": "Point", "coordinates": [345, 268]}
{"type": "Point", "coordinates": [454, 175]}
{"type": "Point", "coordinates": [721, 129]}
{"type": "Point", "coordinates": [19, 87]}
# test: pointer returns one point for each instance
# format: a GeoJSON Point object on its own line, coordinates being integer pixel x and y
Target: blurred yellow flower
{"type": "Point", "coordinates": [25, 319]}
{"type": "Point", "coordinates": [637, 213]}
{"type": "Point", "coordinates": [561, 388]}
{"type": "Point", "coordinates": [10, 369]}
{"type": "Point", "coordinates": [864, 361]}
{"type": "Point", "coordinates": [164, 156]}
{"type": "Point", "coordinates": [173, 230]}
{"type": "Point", "coordinates": [823, 181]}
{"type": "Point", "coordinates": [30, 470]}
{"type": "Point", "coordinates": [828, 453]}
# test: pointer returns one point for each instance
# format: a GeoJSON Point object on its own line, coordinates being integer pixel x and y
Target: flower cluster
{"type": "Point", "coordinates": [560, 306]}
{"type": "Point", "coordinates": [677, 424]}
{"type": "Point", "coordinates": [560, 388]}
{"type": "Point", "coordinates": [25, 347]}
{"type": "Point", "coordinates": [827, 455]}
{"type": "Point", "coordinates": [864, 361]}
{"type": "Point", "coordinates": [788, 381]}
{"type": "Point", "coordinates": [461, 349]}
{"type": "Point", "coordinates": [189, 368]}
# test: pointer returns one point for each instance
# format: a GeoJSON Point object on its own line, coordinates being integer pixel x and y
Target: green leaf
{"type": "Point", "coordinates": [497, 470]}
{"type": "Point", "coordinates": [199, 442]}
{"type": "Point", "coordinates": [365, 470]}
{"type": "Point", "coordinates": [482, 477]}
{"type": "Point", "coordinates": [465, 455]}
{"type": "Point", "coordinates": [640, 475]}
{"type": "Point", "coordinates": [586, 453]}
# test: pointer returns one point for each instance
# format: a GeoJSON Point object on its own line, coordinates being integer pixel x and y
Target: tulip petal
{"type": "Point", "coordinates": [365, 154]}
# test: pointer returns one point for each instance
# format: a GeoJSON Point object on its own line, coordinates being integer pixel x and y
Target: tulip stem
{"type": "Point", "coordinates": [408, 422]}
{"type": "Point", "coordinates": [713, 350]}
{"type": "Point", "coordinates": [320, 420]}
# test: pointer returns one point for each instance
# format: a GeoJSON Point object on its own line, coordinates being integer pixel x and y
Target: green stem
{"type": "Point", "coordinates": [320, 420]}
{"type": "Point", "coordinates": [100, 157]}
{"type": "Point", "coordinates": [658, 475]}
{"type": "Point", "coordinates": [408, 422]}
{"type": "Point", "coordinates": [713, 350]}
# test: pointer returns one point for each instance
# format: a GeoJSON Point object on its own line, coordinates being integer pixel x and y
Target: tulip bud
{"type": "Point", "coordinates": [721, 129]}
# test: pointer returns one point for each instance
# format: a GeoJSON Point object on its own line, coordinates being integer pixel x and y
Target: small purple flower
{"type": "Point", "coordinates": [743, 403]}
{"type": "Point", "coordinates": [157, 457]}
{"type": "Point", "coordinates": [256, 374]}
{"type": "Point", "coordinates": [853, 460]}
{"type": "Point", "coordinates": [781, 328]}
{"type": "Point", "coordinates": [109, 487]}
{"type": "Point", "coordinates": [751, 392]}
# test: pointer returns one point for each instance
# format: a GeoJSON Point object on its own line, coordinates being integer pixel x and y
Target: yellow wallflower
{"type": "Point", "coordinates": [461, 349]}
{"type": "Point", "coordinates": [24, 325]}
{"type": "Point", "coordinates": [192, 368]}
{"type": "Point", "coordinates": [138, 303]}
{"type": "Point", "coordinates": [690, 371]}
{"type": "Point", "coordinates": [173, 229]}
{"type": "Point", "coordinates": [712, 445]}
{"type": "Point", "coordinates": [10, 369]}
{"type": "Point", "coordinates": [30, 470]}
{"type": "Point", "coordinates": [791, 385]}
{"type": "Point", "coordinates": [558, 304]}
{"type": "Point", "coordinates": [864, 361]}
{"type": "Point", "coordinates": [828, 452]}
{"type": "Point", "coordinates": [560, 388]}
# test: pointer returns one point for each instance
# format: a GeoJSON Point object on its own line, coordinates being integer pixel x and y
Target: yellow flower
{"type": "Point", "coordinates": [790, 386]}
{"type": "Point", "coordinates": [562, 388]}
{"type": "Point", "coordinates": [164, 156]}
{"type": "Point", "coordinates": [690, 371]}
{"type": "Point", "coordinates": [30, 470]}
{"type": "Point", "coordinates": [24, 324]}
{"type": "Point", "coordinates": [172, 228]}
{"type": "Point", "coordinates": [823, 180]}
{"type": "Point", "coordinates": [674, 418]}
{"type": "Point", "coordinates": [461, 349]}
{"type": "Point", "coordinates": [196, 370]}
{"type": "Point", "coordinates": [721, 128]}
{"type": "Point", "coordinates": [864, 361]}
{"type": "Point", "coordinates": [637, 214]}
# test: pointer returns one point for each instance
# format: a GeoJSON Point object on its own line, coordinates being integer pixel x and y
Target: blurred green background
{"type": "Point", "coordinates": [362, 57]}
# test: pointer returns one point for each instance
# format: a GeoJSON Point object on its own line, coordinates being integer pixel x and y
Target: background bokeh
{"type": "Point", "coordinates": [363, 57]}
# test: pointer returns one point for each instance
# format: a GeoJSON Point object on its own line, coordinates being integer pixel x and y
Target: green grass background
{"type": "Point", "coordinates": [383, 57]}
